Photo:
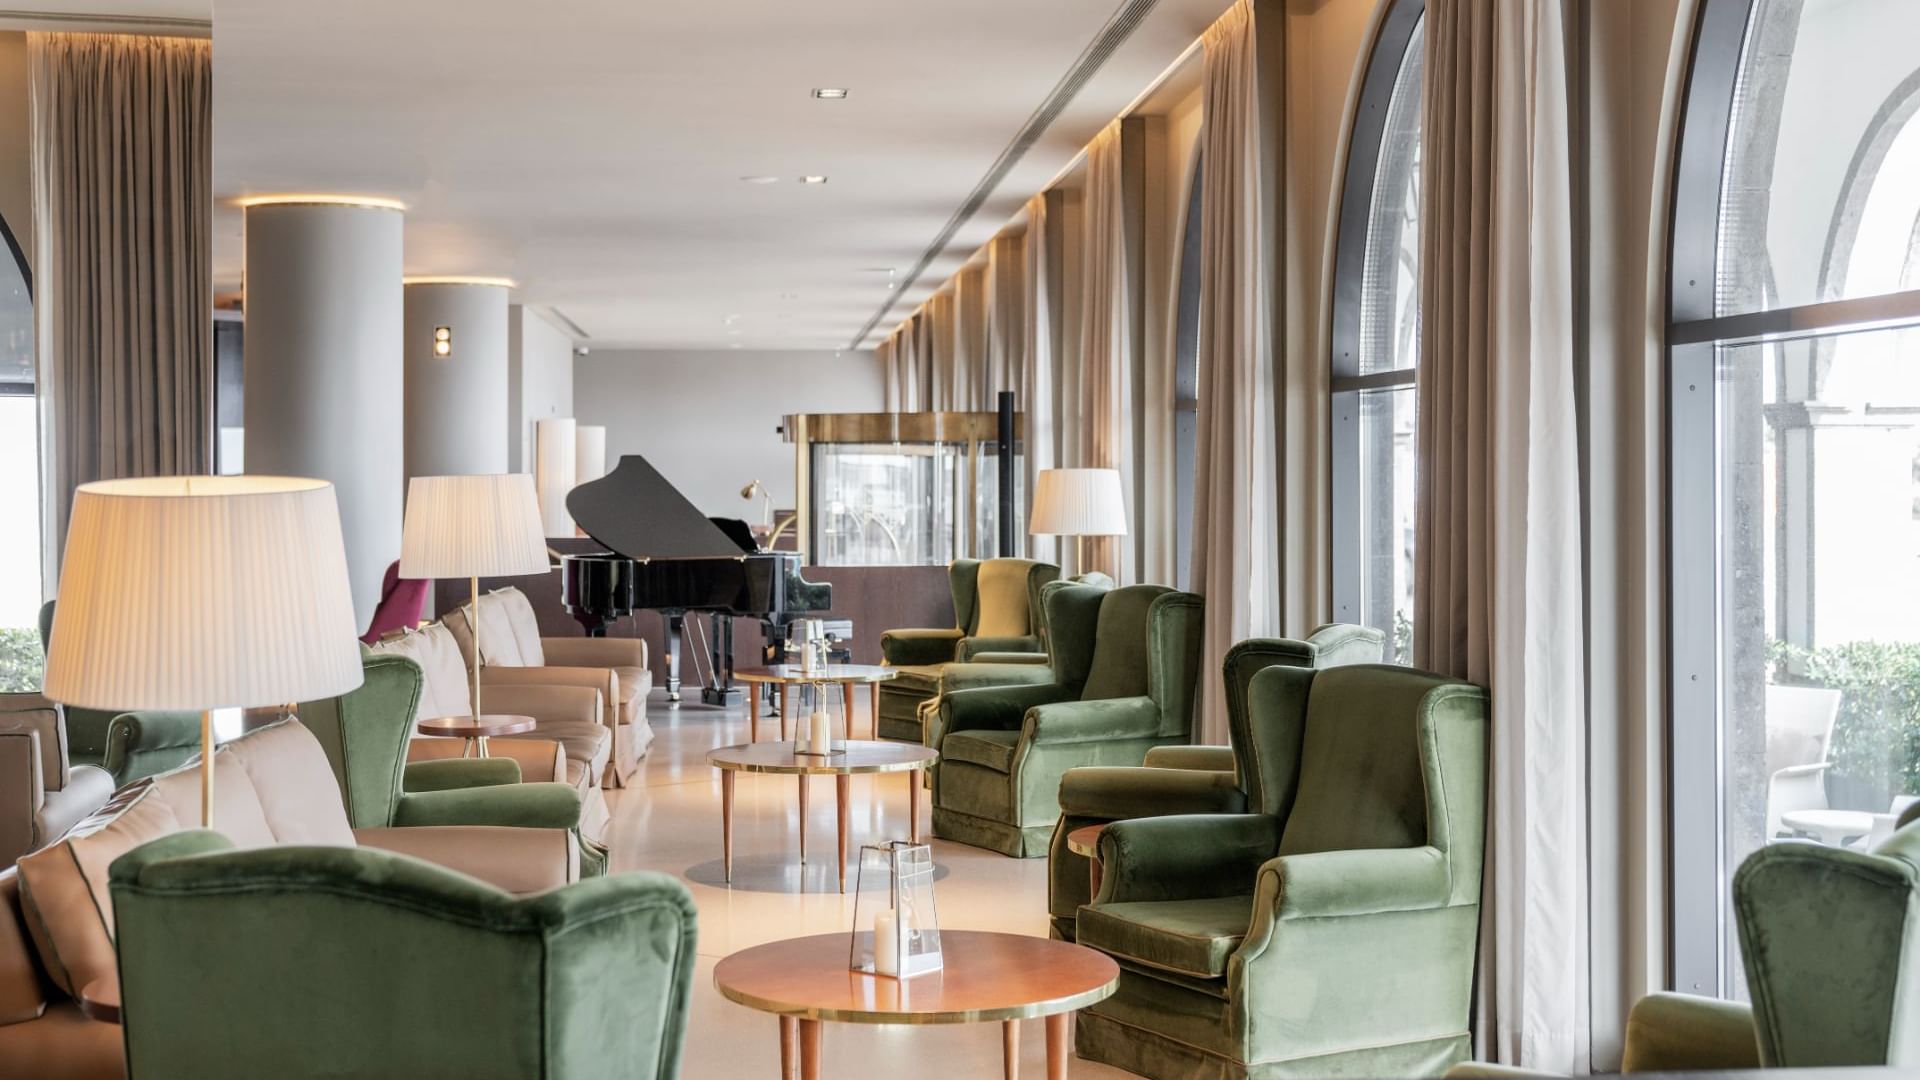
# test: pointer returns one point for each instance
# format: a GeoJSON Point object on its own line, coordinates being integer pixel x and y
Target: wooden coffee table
{"type": "Point", "coordinates": [475, 729]}
{"type": "Point", "coordinates": [846, 676]}
{"type": "Point", "coordinates": [985, 977]}
{"type": "Point", "coordinates": [860, 756]}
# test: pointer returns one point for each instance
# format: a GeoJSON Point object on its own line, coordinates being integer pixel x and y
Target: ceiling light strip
{"type": "Point", "coordinates": [105, 22]}
{"type": "Point", "coordinates": [1126, 19]}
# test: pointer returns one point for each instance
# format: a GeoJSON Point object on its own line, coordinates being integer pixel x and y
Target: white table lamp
{"type": "Point", "coordinates": [472, 527]}
{"type": "Point", "coordinates": [1078, 503]}
{"type": "Point", "coordinates": [203, 592]}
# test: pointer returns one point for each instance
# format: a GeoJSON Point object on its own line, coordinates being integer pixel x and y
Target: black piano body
{"type": "Point", "coordinates": [664, 555]}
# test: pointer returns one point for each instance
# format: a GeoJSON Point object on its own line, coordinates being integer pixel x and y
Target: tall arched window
{"type": "Point", "coordinates": [1376, 339]}
{"type": "Point", "coordinates": [19, 477]}
{"type": "Point", "coordinates": [1794, 389]}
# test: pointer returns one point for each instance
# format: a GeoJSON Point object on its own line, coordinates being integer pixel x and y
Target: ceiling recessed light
{"type": "Point", "coordinates": [813, 179]}
{"type": "Point", "coordinates": [760, 179]}
{"type": "Point", "coordinates": [830, 93]}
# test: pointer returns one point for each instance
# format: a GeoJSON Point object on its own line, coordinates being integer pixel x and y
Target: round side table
{"type": "Point", "coordinates": [476, 730]}
{"type": "Point", "coordinates": [846, 676]}
{"type": "Point", "coordinates": [1085, 841]}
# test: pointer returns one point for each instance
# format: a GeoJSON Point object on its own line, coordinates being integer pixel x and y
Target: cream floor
{"type": "Point", "coordinates": [670, 821]}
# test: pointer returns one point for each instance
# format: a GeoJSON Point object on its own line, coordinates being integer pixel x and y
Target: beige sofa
{"type": "Point", "coordinates": [513, 653]}
{"type": "Point", "coordinates": [41, 794]}
{"type": "Point", "coordinates": [272, 786]}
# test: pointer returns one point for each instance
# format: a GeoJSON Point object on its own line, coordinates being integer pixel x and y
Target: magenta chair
{"type": "Point", "coordinates": [401, 602]}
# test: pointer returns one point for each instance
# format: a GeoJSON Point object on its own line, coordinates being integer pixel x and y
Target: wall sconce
{"type": "Point", "coordinates": [443, 341]}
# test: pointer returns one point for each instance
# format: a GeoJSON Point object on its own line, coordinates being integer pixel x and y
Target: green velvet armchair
{"type": "Point", "coordinates": [365, 733]}
{"type": "Point", "coordinates": [1666, 1033]}
{"type": "Point", "coordinates": [1122, 664]}
{"type": "Point", "coordinates": [301, 962]}
{"type": "Point", "coordinates": [1332, 929]}
{"type": "Point", "coordinates": [1187, 779]}
{"type": "Point", "coordinates": [128, 745]}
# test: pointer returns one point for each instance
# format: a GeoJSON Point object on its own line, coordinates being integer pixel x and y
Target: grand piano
{"type": "Point", "coordinates": [664, 555]}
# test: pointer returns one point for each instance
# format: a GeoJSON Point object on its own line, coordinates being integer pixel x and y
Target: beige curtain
{"type": "Point", "coordinates": [1006, 318]}
{"type": "Point", "coordinates": [1236, 507]}
{"type": "Point", "coordinates": [123, 305]}
{"type": "Point", "coordinates": [1497, 586]}
{"type": "Point", "coordinates": [1102, 394]}
{"type": "Point", "coordinates": [1039, 376]}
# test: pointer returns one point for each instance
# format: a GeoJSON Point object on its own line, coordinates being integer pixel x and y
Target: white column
{"type": "Point", "coordinates": [456, 389]}
{"type": "Point", "coordinates": [324, 384]}
{"type": "Point", "coordinates": [555, 444]}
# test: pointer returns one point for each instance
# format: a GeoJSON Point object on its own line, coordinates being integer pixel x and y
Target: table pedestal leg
{"type": "Point", "coordinates": [846, 707]}
{"type": "Point", "coordinates": [1010, 1049]}
{"type": "Point", "coordinates": [873, 710]}
{"type": "Point", "coordinates": [915, 781]}
{"type": "Point", "coordinates": [783, 711]}
{"type": "Point", "coordinates": [789, 1035]}
{"type": "Point", "coordinates": [1059, 1044]}
{"type": "Point", "coordinates": [726, 821]}
{"type": "Point", "coordinates": [842, 787]}
{"type": "Point", "coordinates": [803, 819]}
{"type": "Point", "coordinates": [753, 712]}
{"type": "Point", "coordinates": [810, 1050]}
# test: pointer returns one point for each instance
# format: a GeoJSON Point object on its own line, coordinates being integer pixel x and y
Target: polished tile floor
{"type": "Point", "coordinates": [670, 821]}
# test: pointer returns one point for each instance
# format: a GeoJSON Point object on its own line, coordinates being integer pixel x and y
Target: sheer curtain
{"type": "Point", "coordinates": [1103, 393]}
{"type": "Point", "coordinates": [1497, 586]}
{"type": "Point", "coordinates": [122, 202]}
{"type": "Point", "coordinates": [1039, 391]}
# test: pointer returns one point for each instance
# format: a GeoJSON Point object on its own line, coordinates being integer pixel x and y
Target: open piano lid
{"type": "Point", "coordinates": [635, 512]}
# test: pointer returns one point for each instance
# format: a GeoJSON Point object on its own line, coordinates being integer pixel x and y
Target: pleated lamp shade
{"type": "Point", "coordinates": [203, 592]}
{"type": "Point", "coordinates": [472, 526]}
{"type": "Point", "coordinates": [1078, 502]}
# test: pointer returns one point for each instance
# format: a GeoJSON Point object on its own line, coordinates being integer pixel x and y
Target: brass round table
{"type": "Point", "coordinates": [860, 756]}
{"type": "Point", "coordinates": [1085, 841]}
{"type": "Point", "coordinates": [846, 676]}
{"type": "Point", "coordinates": [984, 976]}
{"type": "Point", "coordinates": [475, 729]}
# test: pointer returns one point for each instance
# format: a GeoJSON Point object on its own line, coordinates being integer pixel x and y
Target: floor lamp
{"type": "Point", "coordinates": [198, 593]}
{"type": "Point", "coordinates": [1078, 503]}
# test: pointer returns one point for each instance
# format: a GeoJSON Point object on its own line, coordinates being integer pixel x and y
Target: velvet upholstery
{"type": "Point", "coordinates": [402, 600]}
{"type": "Point", "coordinates": [1190, 779]}
{"type": "Point", "coordinates": [128, 745]}
{"type": "Point", "coordinates": [1330, 930]}
{"type": "Point", "coordinates": [445, 976]}
{"type": "Point", "coordinates": [1666, 1033]}
{"type": "Point", "coordinates": [997, 611]}
{"type": "Point", "coordinates": [1121, 668]}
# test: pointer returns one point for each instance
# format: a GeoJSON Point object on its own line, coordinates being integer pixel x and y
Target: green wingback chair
{"type": "Point", "coordinates": [128, 745]}
{"type": "Point", "coordinates": [1331, 930]}
{"type": "Point", "coordinates": [333, 961]}
{"type": "Point", "coordinates": [365, 734]}
{"type": "Point", "coordinates": [1123, 665]}
{"type": "Point", "coordinates": [996, 607]}
{"type": "Point", "coordinates": [1666, 1033]}
{"type": "Point", "coordinates": [1187, 779]}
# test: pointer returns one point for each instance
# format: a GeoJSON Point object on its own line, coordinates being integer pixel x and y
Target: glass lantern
{"type": "Point", "coordinates": [816, 733]}
{"type": "Point", "coordinates": [895, 930]}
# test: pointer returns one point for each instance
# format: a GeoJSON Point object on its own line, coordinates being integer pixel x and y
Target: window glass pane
{"type": "Point", "coordinates": [1820, 199]}
{"type": "Point", "coordinates": [1386, 516]}
{"type": "Point", "coordinates": [1819, 564]}
{"type": "Point", "coordinates": [1389, 304]}
{"type": "Point", "coordinates": [19, 546]}
{"type": "Point", "coordinates": [897, 505]}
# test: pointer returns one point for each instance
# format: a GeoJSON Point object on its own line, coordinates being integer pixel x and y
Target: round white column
{"type": "Point", "coordinates": [323, 381]}
{"type": "Point", "coordinates": [456, 404]}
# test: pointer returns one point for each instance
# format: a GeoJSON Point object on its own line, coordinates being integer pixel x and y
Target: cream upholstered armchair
{"type": "Point", "coordinates": [512, 653]}
{"type": "Point", "coordinates": [41, 795]}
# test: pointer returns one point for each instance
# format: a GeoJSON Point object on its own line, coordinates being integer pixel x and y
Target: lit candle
{"type": "Point", "coordinates": [820, 733]}
{"type": "Point", "coordinates": [886, 944]}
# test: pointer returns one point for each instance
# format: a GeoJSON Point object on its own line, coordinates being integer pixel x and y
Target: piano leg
{"type": "Point", "coordinates": [676, 629]}
{"type": "Point", "coordinates": [720, 689]}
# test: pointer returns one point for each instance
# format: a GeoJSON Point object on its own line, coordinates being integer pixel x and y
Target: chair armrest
{"type": "Point", "coordinates": [19, 773]}
{"type": "Point", "coordinates": [975, 646]}
{"type": "Point", "coordinates": [909, 648]}
{"type": "Point", "coordinates": [519, 861]}
{"type": "Point", "coordinates": [594, 652]}
{"type": "Point", "coordinates": [1683, 1033]}
{"type": "Point", "coordinates": [546, 703]}
{"type": "Point", "coordinates": [1198, 758]}
{"type": "Point", "coordinates": [539, 760]}
{"type": "Point", "coordinates": [1104, 720]}
{"type": "Point", "coordinates": [141, 744]}
{"type": "Point", "coordinates": [997, 708]}
{"type": "Point", "coordinates": [1037, 659]}
{"type": "Point", "coordinates": [457, 774]}
{"type": "Point", "coordinates": [1184, 857]}
{"type": "Point", "coordinates": [1117, 793]}
{"type": "Point", "coordinates": [519, 806]}
{"type": "Point", "coordinates": [1334, 883]}
{"type": "Point", "coordinates": [1481, 1070]}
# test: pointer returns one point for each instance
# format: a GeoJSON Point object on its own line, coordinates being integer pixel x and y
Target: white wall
{"type": "Point", "coordinates": [707, 420]}
{"type": "Point", "coordinates": [539, 379]}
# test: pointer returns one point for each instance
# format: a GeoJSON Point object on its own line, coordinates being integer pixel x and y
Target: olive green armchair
{"type": "Point", "coordinates": [1187, 779]}
{"type": "Point", "coordinates": [128, 745]}
{"type": "Point", "coordinates": [293, 961]}
{"type": "Point", "coordinates": [1122, 664]}
{"type": "Point", "coordinates": [996, 607]}
{"type": "Point", "coordinates": [1332, 929]}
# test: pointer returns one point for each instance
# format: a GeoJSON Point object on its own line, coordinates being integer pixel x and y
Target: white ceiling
{"type": "Point", "coordinates": [593, 150]}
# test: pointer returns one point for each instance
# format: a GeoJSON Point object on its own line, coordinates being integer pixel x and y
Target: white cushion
{"type": "Point", "coordinates": [444, 690]}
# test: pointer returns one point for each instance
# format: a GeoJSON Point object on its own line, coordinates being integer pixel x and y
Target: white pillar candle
{"type": "Point", "coordinates": [820, 733]}
{"type": "Point", "coordinates": [886, 944]}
